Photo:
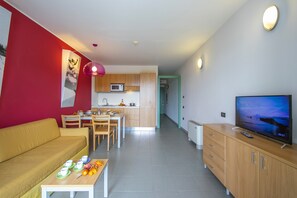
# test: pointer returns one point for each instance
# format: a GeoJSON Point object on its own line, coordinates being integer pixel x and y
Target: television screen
{"type": "Point", "coordinates": [267, 115]}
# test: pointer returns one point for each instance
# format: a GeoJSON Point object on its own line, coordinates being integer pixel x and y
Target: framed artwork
{"type": "Point", "coordinates": [5, 16]}
{"type": "Point", "coordinates": [70, 72]}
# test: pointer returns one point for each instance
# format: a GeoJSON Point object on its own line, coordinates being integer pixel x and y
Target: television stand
{"type": "Point", "coordinates": [250, 167]}
{"type": "Point", "coordinates": [283, 146]}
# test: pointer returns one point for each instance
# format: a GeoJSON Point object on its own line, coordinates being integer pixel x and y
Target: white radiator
{"type": "Point", "coordinates": [195, 134]}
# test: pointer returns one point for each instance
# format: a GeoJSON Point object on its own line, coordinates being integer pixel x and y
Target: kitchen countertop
{"type": "Point", "coordinates": [116, 106]}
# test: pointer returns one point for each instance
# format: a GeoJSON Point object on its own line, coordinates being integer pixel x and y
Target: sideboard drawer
{"type": "Point", "coordinates": [215, 136]}
{"type": "Point", "coordinates": [219, 162]}
{"type": "Point", "coordinates": [214, 168]}
{"type": "Point", "coordinates": [214, 147]}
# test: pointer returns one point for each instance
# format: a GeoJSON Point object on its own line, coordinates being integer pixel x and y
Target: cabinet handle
{"type": "Point", "coordinates": [262, 163]}
{"type": "Point", "coordinates": [253, 157]}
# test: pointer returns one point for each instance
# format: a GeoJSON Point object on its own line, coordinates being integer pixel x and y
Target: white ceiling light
{"type": "Point", "coordinates": [200, 63]}
{"type": "Point", "coordinates": [135, 43]}
{"type": "Point", "coordinates": [270, 18]}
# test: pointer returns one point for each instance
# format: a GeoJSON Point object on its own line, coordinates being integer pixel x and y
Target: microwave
{"type": "Point", "coordinates": [116, 87]}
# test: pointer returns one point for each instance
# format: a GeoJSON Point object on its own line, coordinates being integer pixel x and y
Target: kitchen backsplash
{"type": "Point", "coordinates": [116, 98]}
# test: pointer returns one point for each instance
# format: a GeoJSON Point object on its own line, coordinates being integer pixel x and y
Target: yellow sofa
{"type": "Point", "coordinates": [30, 152]}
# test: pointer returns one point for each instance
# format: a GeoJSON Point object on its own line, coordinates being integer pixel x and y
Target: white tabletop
{"type": "Point", "coordinates": [112, 117]}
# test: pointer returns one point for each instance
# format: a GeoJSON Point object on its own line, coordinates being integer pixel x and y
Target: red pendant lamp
{"type": "Point", "coordinates": [94, 69]}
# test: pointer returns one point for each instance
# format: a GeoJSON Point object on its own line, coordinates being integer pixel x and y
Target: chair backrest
{"type": "Point", "coordinates": [71, 121]}
{"type": "Point", "coordinates": [101, 122]}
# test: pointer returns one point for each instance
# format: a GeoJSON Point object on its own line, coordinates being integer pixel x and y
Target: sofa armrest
{"type": "Point", "coordinates": [76, 132]}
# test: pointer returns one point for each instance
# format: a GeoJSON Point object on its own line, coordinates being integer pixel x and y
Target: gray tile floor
{"type": "Point", "coordinates": [156, 164]}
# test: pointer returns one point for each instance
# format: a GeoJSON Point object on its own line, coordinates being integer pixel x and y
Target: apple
{"type": "Point", "coordinates": [87, 166]}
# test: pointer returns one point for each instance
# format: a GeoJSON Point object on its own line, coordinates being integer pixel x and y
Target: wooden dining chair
{"type": "Point", "coordinates": [71, 121]}
{"type": "Point", "coordinates": [101, 127]}
{"type": "Point", "coordinates": [114, 125]}
{"type": "Point", "coordinates": [89, 124]}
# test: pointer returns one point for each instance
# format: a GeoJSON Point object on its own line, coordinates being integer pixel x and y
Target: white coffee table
{"type": "Point", "coordinates": [74, 182]}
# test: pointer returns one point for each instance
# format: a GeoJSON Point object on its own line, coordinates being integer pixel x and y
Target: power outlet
{"type": "Point", "coordinates": [223, 114]}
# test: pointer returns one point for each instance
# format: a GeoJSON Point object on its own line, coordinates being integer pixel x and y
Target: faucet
{"type": "Point", "coordinates": [106, 102]}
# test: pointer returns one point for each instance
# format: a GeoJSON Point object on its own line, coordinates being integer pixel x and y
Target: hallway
{"type": "Point", "coordinates": [156, 164]}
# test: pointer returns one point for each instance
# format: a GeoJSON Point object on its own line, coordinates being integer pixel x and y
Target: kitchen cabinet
{"type": "Point", "coordinates": [257, 167]}
{"type": "Point", "coordinates": [132, 82]}
{"type": "Point", "coordinates": [115, 110]}
{"type": "Point", "coordinates": [131, 114]}
{"type": "Point", "coordinates": [147, 100]}
{"type": "Point", "coordinates": [117, 78]}
{"type": "Point", "coordinates": [102, 84]}
{"type": "Point", "coordinates": [132, 117]}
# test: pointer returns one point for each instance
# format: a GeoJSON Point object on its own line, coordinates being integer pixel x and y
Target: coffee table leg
{"type": "Point", "coordinates": [106, 181]}
{"type": "Point", "coordinates": [44, 193]}
{"type": "Point", "coordinates": [91, 192]}
{"type": "Point", "coordinates": [72, 194]}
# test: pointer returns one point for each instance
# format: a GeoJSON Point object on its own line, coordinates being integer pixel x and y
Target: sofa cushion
{"type": "Point", "coordinates": [21, 173]}
{"type": "Point", "coordinates": [18, 139]}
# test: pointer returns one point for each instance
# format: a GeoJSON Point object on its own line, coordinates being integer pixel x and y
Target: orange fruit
{"type": "Point", "coordinates": [90, 173]}
{"type": "Point", "coordinates": [85, 172]}
{"type": "Point", "coordinates": [99, 163]}
{"type": "Point", "coordinates": [93, 170]}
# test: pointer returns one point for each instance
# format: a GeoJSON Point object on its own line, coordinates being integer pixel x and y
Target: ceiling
{"type": "Point", "coordinates": [168, 31]}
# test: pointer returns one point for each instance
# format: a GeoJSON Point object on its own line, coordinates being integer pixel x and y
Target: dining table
{"type": "Point", "coordinates": [120, 117]}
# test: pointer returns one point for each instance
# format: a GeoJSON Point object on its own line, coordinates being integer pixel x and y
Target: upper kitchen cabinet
{"type": "Point", "coordinates": [147, 100]}
{"type": "Point", "coordinates": [118, 78]}
{"type": "Point", "coordinates": [102, 84]}
{"type": "Point", "coordinates": [132, 82]}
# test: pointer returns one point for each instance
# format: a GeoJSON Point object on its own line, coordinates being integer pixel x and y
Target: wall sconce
{"type": "Point", "coordinates": [94, 69]}
{"type": "Point", "coordinates": [270, 18]}
{"type": "Point", "coordinates": [200, 63]}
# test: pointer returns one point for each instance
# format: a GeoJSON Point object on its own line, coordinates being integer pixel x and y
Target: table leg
{"type": "Point", "coordinates": [119, 133]}
{"type": "Point", "coordinates": [106, 181]}
{"type": "Point", "coordinates": [124, 127]}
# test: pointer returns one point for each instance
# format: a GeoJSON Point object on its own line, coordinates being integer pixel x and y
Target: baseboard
{"type": "Point", "coordinates": [140, 128]}
{"type": "Point", "coordinates": [184, 130]}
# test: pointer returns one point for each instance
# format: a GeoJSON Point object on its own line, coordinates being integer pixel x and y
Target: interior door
{"type": "Point", "coordinates": [163, 100]}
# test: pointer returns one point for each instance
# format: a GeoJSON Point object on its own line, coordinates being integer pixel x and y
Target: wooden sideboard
{"type": "Point", "coordinates": [250, 167]}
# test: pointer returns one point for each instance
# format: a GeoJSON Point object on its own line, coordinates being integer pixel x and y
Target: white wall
{"type": "Point", "coordinates": [172, 103]}
{"type": "Point", "coordinates": [242, 59]}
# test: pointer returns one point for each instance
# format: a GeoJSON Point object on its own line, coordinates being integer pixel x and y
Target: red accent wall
{"type": "Point", "coordinates": [31, 88]}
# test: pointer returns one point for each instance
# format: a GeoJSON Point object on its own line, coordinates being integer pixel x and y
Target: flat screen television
{"type": "Point", "coordinates": [270, 116]}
